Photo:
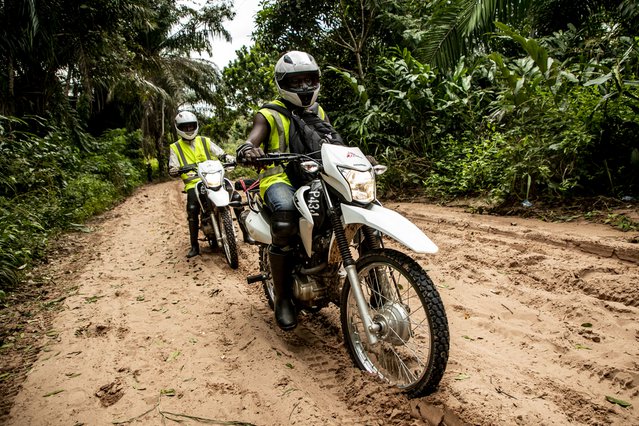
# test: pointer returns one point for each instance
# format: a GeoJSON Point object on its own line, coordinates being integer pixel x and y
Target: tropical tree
{"type": "Point", "coordinates": [162, 76]}
{"type": "Point", "coordinates": [449, 29]}
{"type": "Point", "coordinates": [108, 63]}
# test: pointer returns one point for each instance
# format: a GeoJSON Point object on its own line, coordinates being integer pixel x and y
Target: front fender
{"type": "Point", "coordinates": [390, 223]}
{"type": "Point", "coordinates": [219, 198]}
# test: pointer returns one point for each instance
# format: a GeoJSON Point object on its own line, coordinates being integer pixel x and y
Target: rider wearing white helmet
{"type": "Point", "coordinates": [191, 149]}
{"type": "Point", "coordinates": [186, 125]}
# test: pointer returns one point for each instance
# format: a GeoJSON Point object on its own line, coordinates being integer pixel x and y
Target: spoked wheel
{"type": "Point", "coordinates": [229, 242]}
{"type": "Point", "coordinates": [412, 347]}
{"type": "Point", "coordinates": [265, 268]}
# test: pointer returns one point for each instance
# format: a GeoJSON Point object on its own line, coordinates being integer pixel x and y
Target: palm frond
{"type": "Point", "coordinates": [443, 40]}
{"type": "Point", "coordinates": [456, 28]}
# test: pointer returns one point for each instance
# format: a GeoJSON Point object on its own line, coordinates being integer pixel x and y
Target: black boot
{"type": "Point", "coordinates": [195, 245]}
{"type": "Point", "coordinates": [285, 314]}
{"type": "Point", "coordinates": [241, 220]}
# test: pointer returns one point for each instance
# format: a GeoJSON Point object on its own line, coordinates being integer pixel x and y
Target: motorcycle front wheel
{"type": "Point", "coordinates": [229, 243]}
{"type": "Point", "coordinates": [265, 269]}
{"type": "Point", "coordinates": [413, 340]}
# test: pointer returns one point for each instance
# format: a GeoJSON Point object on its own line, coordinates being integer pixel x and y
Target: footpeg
{"type": "Point", "coordinates": [252, 279]}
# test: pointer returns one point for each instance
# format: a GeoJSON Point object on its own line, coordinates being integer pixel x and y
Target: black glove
{"type": "Point", "coordinates": [249, 153]}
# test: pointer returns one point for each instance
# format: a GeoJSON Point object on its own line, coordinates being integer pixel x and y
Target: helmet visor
{"type": "Point", "coordinates": [187, 127]}
{"type": "Point", "coordinates": [301, 82]}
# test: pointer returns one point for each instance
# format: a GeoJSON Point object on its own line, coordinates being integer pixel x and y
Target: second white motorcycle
{"type": "Point", "coordinates": [214, 193]}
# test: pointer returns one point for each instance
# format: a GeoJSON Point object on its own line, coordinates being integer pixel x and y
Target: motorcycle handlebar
{"type": "Point", "coordinates": [273, 158]}
{"type": "Point", "coordinates": [186, 169]}
{"type": "Point", "coordinates": [193, 167]}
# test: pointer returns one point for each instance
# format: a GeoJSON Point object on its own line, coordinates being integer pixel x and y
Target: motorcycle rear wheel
{"type": "Point", "coordinates": [229, 243]}
{"type": "Point", "coordinates": [412, 350]}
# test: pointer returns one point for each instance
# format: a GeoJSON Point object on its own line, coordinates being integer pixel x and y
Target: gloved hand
{"type": "Point", "coordinates": [174, 171]}
{"type": "Point", "coordinates": [372, 160]}
{"type": "Point", "coordinates": [249, 152]}
{"type": "Point", "coordinates": [229, 158]}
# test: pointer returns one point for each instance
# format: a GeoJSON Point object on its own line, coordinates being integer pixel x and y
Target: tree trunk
{"type": "Point", "coordinates": [159, 147]}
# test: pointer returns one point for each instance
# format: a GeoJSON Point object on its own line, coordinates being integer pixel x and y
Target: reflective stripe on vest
{"type": "Point", "coordinates": [278, 142]}
{"type": "Point", "coordinates": [272, 171]}
{"type": "Point", "coordinates": [196, 156]}
{"type": "Point", "coordinates": [279, 125]}
{"type": "Point", "coordinates": [283, 145]}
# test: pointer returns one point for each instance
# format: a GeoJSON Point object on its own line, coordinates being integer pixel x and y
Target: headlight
{"type": "Point", "coordinates": [362, 184]}
{"type": "Point", "coordinates": [213, 180]}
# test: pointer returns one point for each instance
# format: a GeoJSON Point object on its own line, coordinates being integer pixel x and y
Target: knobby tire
{"type": "Point", "coordinates": [414, 352]}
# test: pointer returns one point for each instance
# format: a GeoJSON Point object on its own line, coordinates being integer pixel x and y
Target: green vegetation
{"type": "Point", "coordinates": [540, 106]}
{"type": "Point", "coordinates": [504, 100]}
{"type": "Point", "coordinates": [51, 185]}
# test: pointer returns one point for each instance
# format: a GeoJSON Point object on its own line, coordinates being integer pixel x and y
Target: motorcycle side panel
{"type": "Point", "coordinates": [300, 204]}
{"type": "Point", "coordinates": [306, 222]}
{"type": "Point", "coordinates": [390, 223]}
{"type": "Point", "coordinates": [219, 198]}
{"type": "Point", "coordinates": [306, 233]}
{"type": "Point", "coordinates": [259, 229]}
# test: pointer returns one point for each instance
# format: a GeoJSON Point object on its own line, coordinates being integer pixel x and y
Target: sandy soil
{"type": "Point", "coordinates": [544, 326]}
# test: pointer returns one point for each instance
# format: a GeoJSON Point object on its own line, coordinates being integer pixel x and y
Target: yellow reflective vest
{"type": "Point", "coordinates": [188, 156]}
{"type": "Point", "coordinates": [278, 142]}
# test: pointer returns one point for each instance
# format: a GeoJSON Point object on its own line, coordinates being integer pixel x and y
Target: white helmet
{"type": "Point", "coordinates": [186, 125]}
{"type": "Point", "coordinates": [297, 78]}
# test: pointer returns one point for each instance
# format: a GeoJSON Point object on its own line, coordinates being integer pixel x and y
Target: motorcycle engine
{"type": "Point", "coordinates": [307, 289]}
{"type": "Point", "coordinates": [207, 227]}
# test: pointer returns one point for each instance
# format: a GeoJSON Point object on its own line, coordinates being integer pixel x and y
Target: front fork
{"type": "Point", "coordinates": [216, 228]}
{"type": "Point", "coordinates": [209, 208]}
{"type": "Point", "coordinates": [371, 328]}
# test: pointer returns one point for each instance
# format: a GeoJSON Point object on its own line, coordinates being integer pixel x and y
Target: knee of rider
{"type": "Point", "coordinates": [277, 250]}
{"type": "Point", "coordinates": [283, 226]}
{"type": "Point", "coordinates": [192, 211]}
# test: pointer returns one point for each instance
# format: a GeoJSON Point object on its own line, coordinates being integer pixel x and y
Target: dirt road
{"type": "Point", "coordinates": [544, 326]}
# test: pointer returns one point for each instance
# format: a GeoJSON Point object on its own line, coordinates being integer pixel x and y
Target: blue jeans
{"type": "Point", "coordinates": [279, 197]}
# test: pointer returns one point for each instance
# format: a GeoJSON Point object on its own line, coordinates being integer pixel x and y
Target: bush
{"type": "Point", "coordinates": [86, 196]}
{"type": "Point", "coordinates": [51, 185]}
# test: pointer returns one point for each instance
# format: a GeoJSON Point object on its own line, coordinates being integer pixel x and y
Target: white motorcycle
{"type": "Point", "coordinates": [392, 317]}
{"type": "Point", "coordinates": [214, 193]}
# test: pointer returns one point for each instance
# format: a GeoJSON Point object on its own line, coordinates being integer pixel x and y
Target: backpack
{"type": "Point", "coordinates": [306, 135]}
{"type": "Point", "coordinates": [307, 132]}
